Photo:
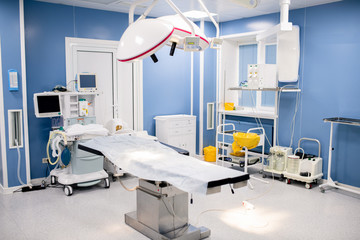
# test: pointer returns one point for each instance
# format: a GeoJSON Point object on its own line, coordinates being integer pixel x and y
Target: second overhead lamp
{"type": "Point", "coordinates": [146, 36]}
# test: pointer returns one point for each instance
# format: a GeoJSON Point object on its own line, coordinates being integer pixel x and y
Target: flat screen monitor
{"type": "Point", "coordinates": [87, 82]}
{"type": "Point", "coordinates": [47, 105]}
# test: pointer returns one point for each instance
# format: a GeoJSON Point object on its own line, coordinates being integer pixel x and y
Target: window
{"type": "Point", "coordinates": [259, 101]}
{"type": "Point", "coordinates": [210, 115]}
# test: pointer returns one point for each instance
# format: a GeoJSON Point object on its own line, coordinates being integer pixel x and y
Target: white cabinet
{"type": "Point", "coordinates": [178, 131]}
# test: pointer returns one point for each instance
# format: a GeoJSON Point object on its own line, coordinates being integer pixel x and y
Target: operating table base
{"type": "Point", "coordinates": [188, 233]}
{"type": "Point", "coordinates": [162, 213]}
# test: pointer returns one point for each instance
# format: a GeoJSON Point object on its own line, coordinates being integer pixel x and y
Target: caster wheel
{"type": "Point", "coordinates": [53, 180]}
{"type": "Point", "coordinates": [242, 165]}
{"type": "Point", "coordinates": [106, 183]}
{"type": "Point", "coordinates": [322, 190]}
{"type": "Point", "coordinates": [264, 175]}
{"type": "Point", "coordinates": [308, 186]}
{"type": "Point", "coordinates": [114, 179]}
{"type": "Point", "coordinates": [68, 190]}
{"type": "Point", "coordinates": [288, 181]}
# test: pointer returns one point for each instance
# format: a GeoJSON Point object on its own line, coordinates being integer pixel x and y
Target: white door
{"type": "Point", "coordinates": [100, 63]}
{"type": "Point", "coordinates": [125, 103]}
{"type": "Point", "coordinates": [114, 79]}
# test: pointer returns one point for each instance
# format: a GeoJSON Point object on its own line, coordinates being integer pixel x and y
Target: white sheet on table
{"type": "Point", "coordinates": [151, 160]}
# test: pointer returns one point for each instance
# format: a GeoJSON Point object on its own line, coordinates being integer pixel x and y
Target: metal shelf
{"type": "Point", "coordinates": [242, 113]}
{"type": "Point", "coordinates": [278, 89]}
{"type": "Point", "coordinates": [347, 121]}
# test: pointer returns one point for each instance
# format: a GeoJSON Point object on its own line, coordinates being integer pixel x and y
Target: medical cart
{"type": "Point", "coordinates": [331, 183]}
{"type": "Point", "coordinates": [307, 169]}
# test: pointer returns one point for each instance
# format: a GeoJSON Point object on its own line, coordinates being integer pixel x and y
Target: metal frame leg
{"type": "Point", "coordinates": [252, 177]}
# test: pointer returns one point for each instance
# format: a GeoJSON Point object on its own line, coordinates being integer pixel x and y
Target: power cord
{"type": "Point", "coordinates": [19, 162]}
{"type": "Point", "coordinates": [126, 188]}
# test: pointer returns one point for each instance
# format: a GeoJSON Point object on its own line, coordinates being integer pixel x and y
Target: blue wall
{"type": "Point", "coordinates": [209, 84]}
{"type": "Point", "coordinates": [11, 59]}
{"type": "Point", "coordinates": [46, 26]}
{"type": "Point", "coordinates": [330, 48]}
{"type": "Point", "coordinates": [329, 44]}
{"type": "Point", "coordinates": [166, 86]}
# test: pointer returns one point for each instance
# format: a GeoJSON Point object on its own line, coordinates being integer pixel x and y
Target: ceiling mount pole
{"type": "Point", "coordinates": [284, 11]}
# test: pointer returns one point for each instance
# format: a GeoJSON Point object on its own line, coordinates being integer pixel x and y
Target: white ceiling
{"type": "Point", "coordinates": [227, 10]}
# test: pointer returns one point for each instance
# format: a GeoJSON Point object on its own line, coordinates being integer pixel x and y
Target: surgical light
{"type": "Point", "coordinates": [143, 38]}
{"type": "Point", "coordinates": [146, 36]}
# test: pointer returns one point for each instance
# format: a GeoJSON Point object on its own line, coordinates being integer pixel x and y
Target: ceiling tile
{"type": "Point", "coordinates": [227, 10]}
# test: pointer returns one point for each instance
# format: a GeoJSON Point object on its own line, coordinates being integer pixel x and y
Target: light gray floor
{"type": "Point", "coordinates": [281, 212]}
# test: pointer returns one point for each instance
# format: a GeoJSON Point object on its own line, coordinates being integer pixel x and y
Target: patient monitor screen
{"type": "Point", "coordinates": [87, 82]}
{"type": "Point", "coordinates": [48, 104]}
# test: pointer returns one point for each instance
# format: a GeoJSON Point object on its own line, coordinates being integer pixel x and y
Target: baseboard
{"type": "Point", "coordinates": [200, 157]}
{"type": "Point", "coordinates": [8, 190]}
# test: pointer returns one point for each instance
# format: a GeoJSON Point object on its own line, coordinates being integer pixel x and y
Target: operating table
{"type": "Point", "coordinates": [165, 178]}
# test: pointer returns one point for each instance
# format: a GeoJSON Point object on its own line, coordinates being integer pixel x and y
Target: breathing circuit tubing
{"type": "Point", "coordinates": [48, 144]}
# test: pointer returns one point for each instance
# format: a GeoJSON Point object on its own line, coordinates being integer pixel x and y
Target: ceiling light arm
{"type": "Point", "coordinates": [173, 6]}
{"type": "Point", "coordinates": [132, 10]}
{"type": "Point", "coordinates": [147, 11]}
{"type": "Point", "coordinates": [211, 17]}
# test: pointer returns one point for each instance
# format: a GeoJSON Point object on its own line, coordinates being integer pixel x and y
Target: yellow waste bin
{"type": "Point", "coordinates": [210, 154]}
{"type": "Point", "coordinates": [241, 139]}
{"type": "Point", "coordinates": [229, 106]}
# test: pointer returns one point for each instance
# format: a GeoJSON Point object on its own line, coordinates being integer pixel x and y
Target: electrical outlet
{"type": "Point", "coordinates": [45, 160]}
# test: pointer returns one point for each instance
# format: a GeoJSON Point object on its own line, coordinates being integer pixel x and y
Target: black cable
{"type": "Point", "coordinates": [232, 190]}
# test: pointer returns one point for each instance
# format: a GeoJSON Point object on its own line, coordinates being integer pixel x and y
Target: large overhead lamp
{"type": "Point", "coordinates": [142, 39]}
{"type": "Point", "coordinates": [145, 37]}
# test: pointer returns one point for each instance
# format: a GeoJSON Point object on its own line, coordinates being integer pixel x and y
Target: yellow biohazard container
{"type": "Point", "coordinates": [210, 154]}
{"type": "Point", "coordinates": [229, 106]}
{"type": "Point", "coordinates": [241, 139]}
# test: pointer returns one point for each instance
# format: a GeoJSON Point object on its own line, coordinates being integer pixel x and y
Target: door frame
{"type": "Point", "coordinates": [3, 130]}
{"type": "Point", "coordinates": [72, 45]}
